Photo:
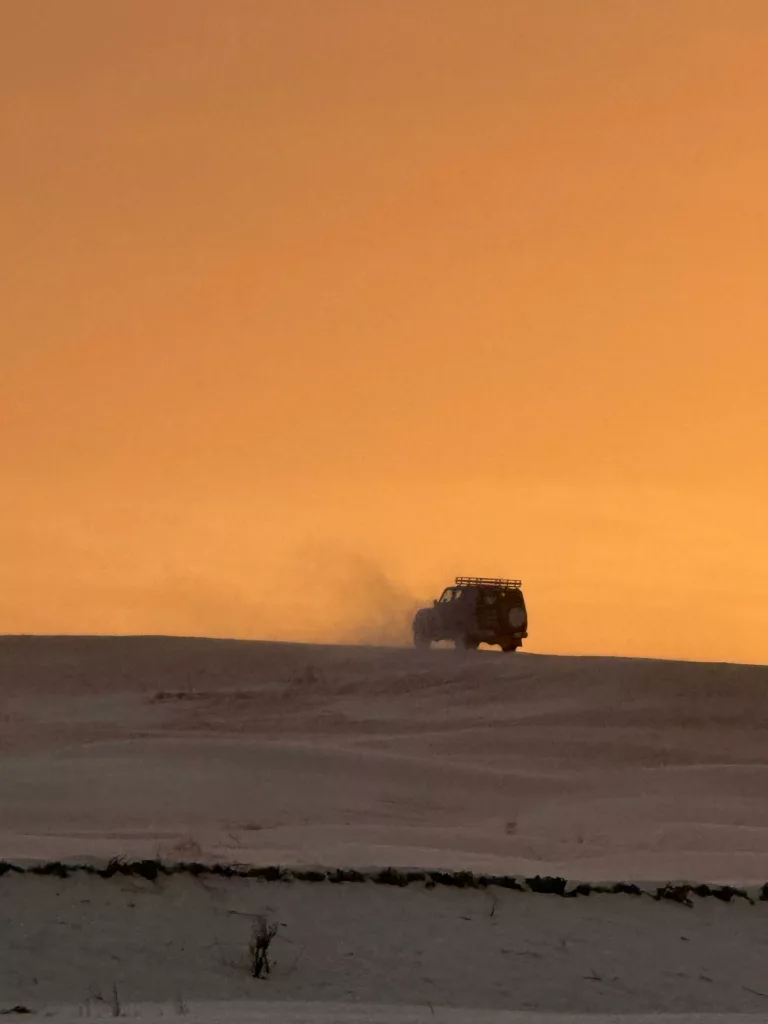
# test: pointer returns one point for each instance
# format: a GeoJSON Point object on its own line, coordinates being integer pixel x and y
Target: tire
{"type": "Point", "coordinates": [466, 643]}
{"type": "Point", "coordinates": [516, 618]}
{"type": "Point", "coordinates": [509, 646]}
{"type": "Point", "coordinates": [421, 641]}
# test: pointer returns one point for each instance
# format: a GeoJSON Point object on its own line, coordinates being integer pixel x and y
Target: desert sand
{"type": "Point", "coordinates": [264, 753]}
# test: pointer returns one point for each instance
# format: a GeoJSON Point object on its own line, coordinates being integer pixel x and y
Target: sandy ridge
{"type": "Point", "coordinates": [425, 827]}
{"type": "Point", "coordinates": [297, 754]}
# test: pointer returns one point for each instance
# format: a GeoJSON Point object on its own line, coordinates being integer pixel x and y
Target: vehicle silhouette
{"type": "Point", "coordinates": [475, 610]}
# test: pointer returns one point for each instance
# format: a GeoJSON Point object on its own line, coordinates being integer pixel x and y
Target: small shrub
{"type": "Point", "coordinates": [268, 874]}
{"type": "Point", "coordinates": [262, 934]}
{"type": "Point", "coordinates": [310, 875]}
{"type": "Point", "coordinates": [54, 867]}
{"type": "Point", "coordinates": [348, 875]}
{"type": "Point", "coordinates": [148, 869]}
{"type": "Point", "coordinates": [191, 867]}
{"type": "Point", "coordinates": [547, 884]}
{"type": "Point", "coordinates": [677, 893]}
{"type": "Point", "coordinates": [415, 876]}
{"type": "Point", "coordinates": [390, 876]}
{"type": "Point", "coordinates": [465, 880]}
{"type": "Point", "coordinates": [505, 882]}
{"type": "Point", "coordinates": [628, 888]}
{"type": "Point", "coordinates": [112, 1000]}
{"type": "Point", "coordinates": [116, 866]}
{"type": "Point", "coordinates": [439, 878]}
{"type": "Point", "coordinates": [727, 892]}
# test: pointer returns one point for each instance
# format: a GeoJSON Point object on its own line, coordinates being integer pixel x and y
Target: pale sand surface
{"type": "Point", "coordinates": [182, 938]}
{"type": "Point", "coordinates": [339, 1013]}
{"type": "Point", "coordinates": [591, 768]}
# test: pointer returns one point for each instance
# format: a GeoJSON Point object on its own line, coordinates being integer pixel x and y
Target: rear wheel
{"type": "Point", "coordinates": [466, 643]}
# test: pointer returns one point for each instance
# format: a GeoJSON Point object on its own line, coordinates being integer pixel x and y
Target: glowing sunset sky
{"type": "Point", "coordinates": [310, 305]}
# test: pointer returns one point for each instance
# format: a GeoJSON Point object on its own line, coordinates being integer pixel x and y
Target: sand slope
{"type": "Point", "coordinates": [294, 754]}
{"type": "Point", "coordinates": [251, 1012]}
{"type": "Point", "coordinates": [287, 753]}
{"type": "Point", "coordinates": [184, 939]}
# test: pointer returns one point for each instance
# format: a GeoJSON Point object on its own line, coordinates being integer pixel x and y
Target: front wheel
{"type": "Point", "coordinates": [419, 640]}
{"type": "Point", "coordinates": [510, 646]}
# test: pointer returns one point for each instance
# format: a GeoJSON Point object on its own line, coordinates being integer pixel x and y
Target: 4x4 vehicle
{"type": "Point", "coordinates": [476, 610]}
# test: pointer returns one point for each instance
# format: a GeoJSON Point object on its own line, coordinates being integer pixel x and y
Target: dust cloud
{"type": "Point", "coordinates": [353, 599]}
{"type": "Point", "coordinates": [320, 594]}
{"type": "Point", "coordinates": [324, 594]}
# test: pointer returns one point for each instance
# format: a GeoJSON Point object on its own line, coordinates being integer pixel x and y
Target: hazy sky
{"type": "Point", "coordinates": [309, 305]}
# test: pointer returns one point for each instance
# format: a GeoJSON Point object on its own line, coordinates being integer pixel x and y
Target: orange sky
{"type": "Point", "coordinates": [310, 305]}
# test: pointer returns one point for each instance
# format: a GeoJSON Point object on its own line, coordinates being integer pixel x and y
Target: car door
{"type": "Point", "coordinates": [463, 608]}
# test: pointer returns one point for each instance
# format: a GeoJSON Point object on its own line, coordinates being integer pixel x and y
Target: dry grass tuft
{"type": "Point", "coordinates": [262, 934]}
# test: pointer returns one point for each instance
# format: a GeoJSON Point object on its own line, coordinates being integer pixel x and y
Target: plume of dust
{"type": "Point", "coordinates": [320, 593]}
{"type": "Point", "coordinates": [354, 600]}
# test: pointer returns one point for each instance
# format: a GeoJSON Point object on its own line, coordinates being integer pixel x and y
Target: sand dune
{"type": "Point", "coordinates": [252, 1012]}
{"type": "Point", "coordinates": [593, 768]}
{"type": "Point", "coordinates": [212, 751]}
{"type": "Point", "coordinates": [181, 939]}
{"type": "Point", "coordinates": [232, 1012]}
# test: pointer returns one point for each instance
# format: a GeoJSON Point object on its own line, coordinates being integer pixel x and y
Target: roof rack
{"type": "Point", "coordinates": [486, 581]}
